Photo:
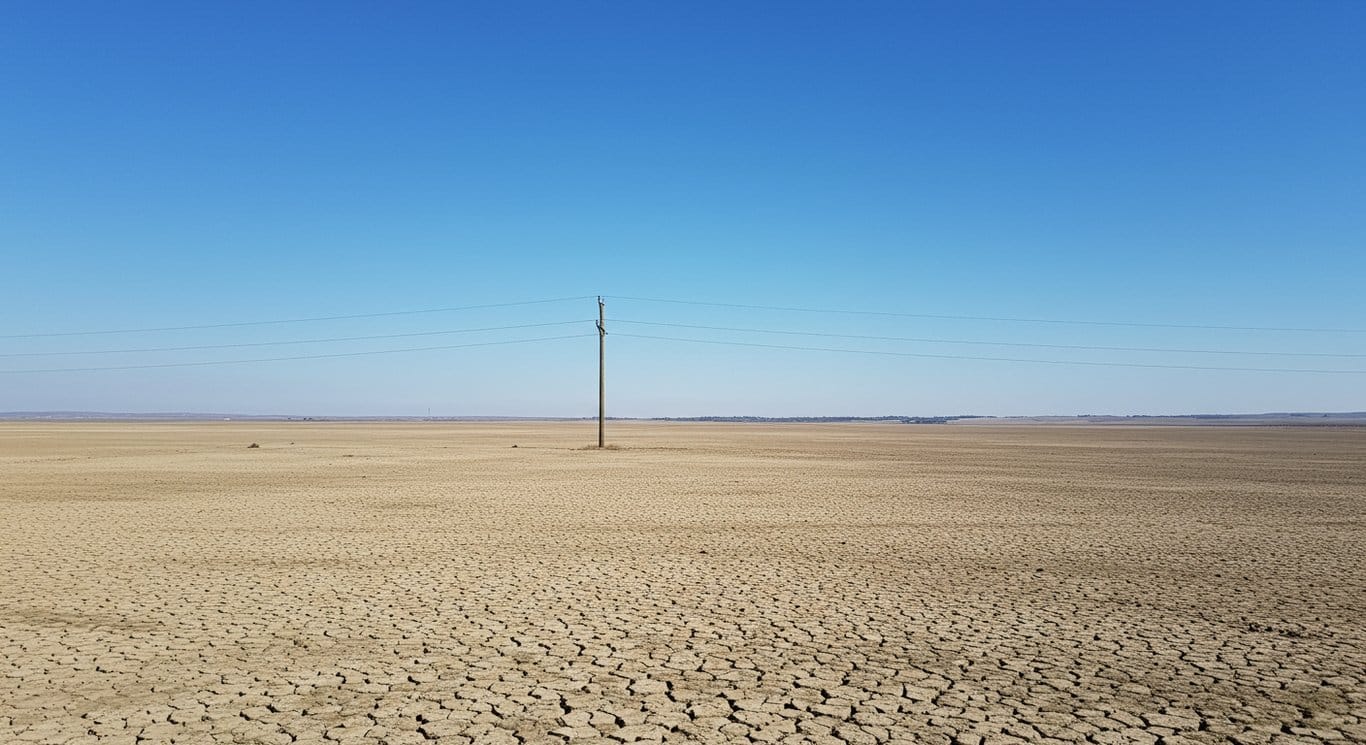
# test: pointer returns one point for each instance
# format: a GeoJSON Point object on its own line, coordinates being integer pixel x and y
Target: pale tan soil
{"type": "Point", "coordinates": [796, 583]}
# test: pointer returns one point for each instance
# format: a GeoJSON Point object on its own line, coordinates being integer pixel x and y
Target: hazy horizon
{"type": "Point", "coordinates": [216, 415]}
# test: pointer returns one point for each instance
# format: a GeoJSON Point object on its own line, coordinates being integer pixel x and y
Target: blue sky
{"type": "Point", "coordinates": [169, 164]}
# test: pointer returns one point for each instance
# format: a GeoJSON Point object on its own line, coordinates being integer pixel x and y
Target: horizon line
{"type": "Point", "coordinates": [191, 416]}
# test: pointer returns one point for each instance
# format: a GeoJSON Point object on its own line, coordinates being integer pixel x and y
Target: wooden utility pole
{"type": "Point", "coordinates": [602, 367]}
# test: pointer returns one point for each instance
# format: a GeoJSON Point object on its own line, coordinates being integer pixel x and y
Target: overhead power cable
{"type": "Point", "coordinates": [292, 341]}
{"type": "Point", "coordinates": [990, 343]}
{"type": "Point", "coordinates": [992, 359]}
{"type": "Point", "coordinates": [208, 363]}
{"type": "Point", "coordinates": [1001, 319]}
{"type": "Point", "coordinates": [238, 324]}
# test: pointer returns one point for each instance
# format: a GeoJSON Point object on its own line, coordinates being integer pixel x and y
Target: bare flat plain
{"type": "Point", "coordinates": [416, 583]}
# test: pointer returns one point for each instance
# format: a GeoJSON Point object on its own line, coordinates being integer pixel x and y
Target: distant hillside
{"type": "Point", "coordinates": [1349, 419]}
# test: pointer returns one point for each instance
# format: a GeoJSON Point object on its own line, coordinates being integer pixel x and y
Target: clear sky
{"type": "Point", "coordinates": [174, 164]}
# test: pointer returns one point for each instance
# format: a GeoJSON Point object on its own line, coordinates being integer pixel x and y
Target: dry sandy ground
{"type": "Point", "coordinates": [407, 583]}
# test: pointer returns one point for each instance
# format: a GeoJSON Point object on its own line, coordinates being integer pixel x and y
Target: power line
{"type": "Point", "coordinates": [992, 343]}
{"type": "Point", "coordinates": [300, 357]}
{"type": "Point", "coordinates": [294, 341]}
{"type": "Point", "coordinates": [236, 324]}
{"type": "Point", "coordinates": [1002, 319]}
{"type": "Point", "coordinates": [994, 359]}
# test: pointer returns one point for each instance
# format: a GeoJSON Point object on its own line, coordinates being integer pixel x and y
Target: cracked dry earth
{"type": "Point", "coordinates": [415, 583]}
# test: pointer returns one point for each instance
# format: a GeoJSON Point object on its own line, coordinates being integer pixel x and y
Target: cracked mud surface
{"type": "Point", "coordinates": [413, 583]}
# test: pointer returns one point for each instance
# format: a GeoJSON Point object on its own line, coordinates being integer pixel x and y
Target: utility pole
{"type": "Point", "coordinates": [602, 367]}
